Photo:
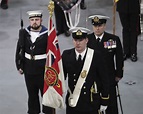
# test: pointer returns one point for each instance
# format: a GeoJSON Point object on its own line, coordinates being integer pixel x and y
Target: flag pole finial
{"type": "Point", "coordinates": [51, 8]}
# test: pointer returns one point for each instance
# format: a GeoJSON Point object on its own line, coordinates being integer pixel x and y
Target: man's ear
{"type": "Point", "coordinates": [86, 40]}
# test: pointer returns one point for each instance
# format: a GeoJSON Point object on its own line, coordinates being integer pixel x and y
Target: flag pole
{"type": "Point", "coordinates": [114, 16]}
{"type": "Point", "coordinates": [51, 10]}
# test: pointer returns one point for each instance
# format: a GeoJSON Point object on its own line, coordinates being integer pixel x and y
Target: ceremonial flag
{"type": "Point", "coordinates": [53, 76]}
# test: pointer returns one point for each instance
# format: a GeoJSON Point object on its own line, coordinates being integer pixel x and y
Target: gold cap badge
{"type": "Point", "coordinates": [96, 19]}
{"type": "Point", "coordinates": [78, 33]}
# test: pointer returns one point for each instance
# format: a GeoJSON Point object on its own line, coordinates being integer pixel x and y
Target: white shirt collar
{"type": "Point", "coordinates": [82, 54]}
{"type": "Point", "coordinates": [101, 36]}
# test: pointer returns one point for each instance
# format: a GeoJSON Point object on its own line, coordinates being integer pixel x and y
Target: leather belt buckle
{"type": "Point", "coordinates": [32, 57]}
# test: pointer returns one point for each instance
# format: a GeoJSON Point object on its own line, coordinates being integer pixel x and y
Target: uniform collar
{"type": "Point", "coordinates": [43, 30]}
{"type": "Point", "coordinates": [82, 54]}
{"type": "Point", "coordinates": [101, 36]}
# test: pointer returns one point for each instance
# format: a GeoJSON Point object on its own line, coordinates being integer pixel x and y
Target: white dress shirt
{"type": "Point", "coordinates": [82, 54]}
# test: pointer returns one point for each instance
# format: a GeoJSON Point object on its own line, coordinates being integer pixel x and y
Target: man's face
{"type": "Point", "coordinates": [80, 44]}
{"type": "Point", "coordinates": [99, 29]}
{"type": "Point", "coordinates": [35, 22]}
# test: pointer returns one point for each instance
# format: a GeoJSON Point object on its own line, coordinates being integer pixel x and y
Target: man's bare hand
{"type": "Point", "coordinates": [117, 79]}
{"type": "Point", "coordinates": [20, 71]}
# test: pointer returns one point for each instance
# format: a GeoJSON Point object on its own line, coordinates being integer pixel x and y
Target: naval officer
{"type": "Point", "coordinates": [87, 80]}
{"type": "Point", "coordinates": [110, 46]}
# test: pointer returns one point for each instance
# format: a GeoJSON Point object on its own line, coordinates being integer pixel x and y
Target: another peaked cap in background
{"type": "Point", "coordinates": [98, 19]}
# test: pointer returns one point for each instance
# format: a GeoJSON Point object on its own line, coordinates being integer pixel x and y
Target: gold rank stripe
{"type": "Point", "coordinates": [105, 98]}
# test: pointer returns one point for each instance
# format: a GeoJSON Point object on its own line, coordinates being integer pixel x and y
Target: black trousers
{"type": "Point", "coordinates": [35, 84]}
{"type": "Point", "coordinates": [112, 107]}
{"type": "Point", "coordinates": [61, 25]}
{"type": "Point", "coordinates": [130, 25]}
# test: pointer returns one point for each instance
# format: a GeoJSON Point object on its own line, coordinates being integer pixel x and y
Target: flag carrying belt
{"type": "Point", "coordinates": [73, 98]}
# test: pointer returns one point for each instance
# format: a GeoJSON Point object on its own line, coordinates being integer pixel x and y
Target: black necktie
{"type": "Point", "coordinates": [79, 58]}
{"type": "Point", "coordinates": [98, 40]}
{"type": "Point", "coordinates": [79, 62]}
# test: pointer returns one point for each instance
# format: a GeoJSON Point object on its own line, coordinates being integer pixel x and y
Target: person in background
{"type": "Point", "coordinates": [110, 46]}
{"type": "Point", "coordinates": [31, 58]}
{"type": "Point", "coordinates": [87, 80]}
{"type": "Point", "coordinates": [4, 4]}
{"type": "Point", "coordinates": [61, 25]}
{"type": "Point", "coordinates": [129, 11]}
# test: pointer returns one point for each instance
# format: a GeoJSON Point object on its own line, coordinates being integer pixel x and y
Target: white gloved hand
{"type": "Point", "coordinates": [103, 108]}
